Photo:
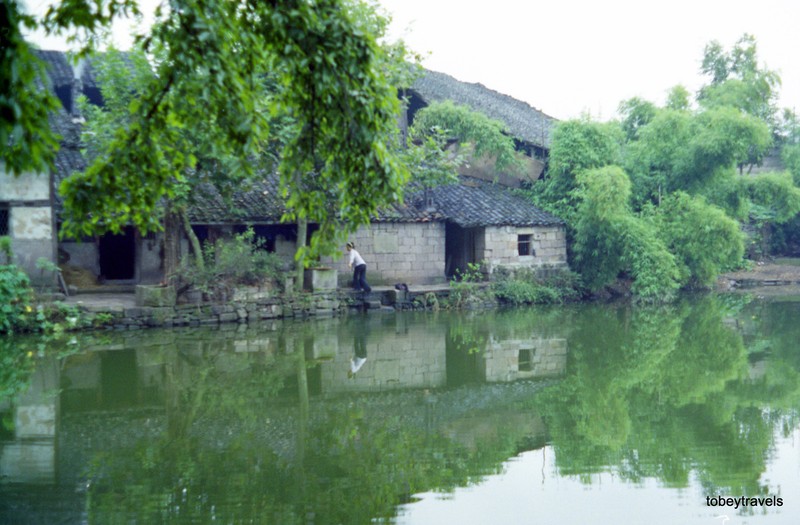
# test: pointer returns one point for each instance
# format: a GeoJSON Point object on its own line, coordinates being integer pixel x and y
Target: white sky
{"type": "Point", "coordinates": [568, 57]}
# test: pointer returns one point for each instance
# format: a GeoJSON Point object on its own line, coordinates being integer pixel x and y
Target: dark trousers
{"type": "Point", "coordinates": [360, 278]}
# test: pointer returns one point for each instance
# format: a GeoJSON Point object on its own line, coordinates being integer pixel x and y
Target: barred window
{"type": "Point", "coordinates": [525, 244]}
{"type": "Point", "coordinates": [5, 220]}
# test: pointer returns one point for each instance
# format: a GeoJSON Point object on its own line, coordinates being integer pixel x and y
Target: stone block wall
{"type": "Point", "coordinates": [397, 252]}
{"type": "Point", "coordinates": [549, 245]}
{"type": "Point", "coordinates": [512, 359]}
{"type": "Point", "coordinates": [26, 201]}
{"type": "Point", "coordinates": [147, 257]}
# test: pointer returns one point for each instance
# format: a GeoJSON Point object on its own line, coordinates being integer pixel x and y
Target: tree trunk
{"type": "Point", "coordinates": [302, 232]}
{"type": "Point", "coordinates": [194, 242]}
{"type": "Point", "coordinates": [172, 243]}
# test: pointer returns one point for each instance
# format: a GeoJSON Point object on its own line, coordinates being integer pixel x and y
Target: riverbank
{"type": "Point", "coordinates": [119, 310]}
{"type": "Point", "coordinates": [114, 308]}
{"type": "Point", "coordinates": [778, 272]}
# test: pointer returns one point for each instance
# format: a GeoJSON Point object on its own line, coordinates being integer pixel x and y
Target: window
{"type": "Point", "coordinates": [5, 220]}
{"type": "Point", "coordinates": [525, 244]}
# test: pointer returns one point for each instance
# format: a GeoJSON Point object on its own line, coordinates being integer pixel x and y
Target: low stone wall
{"type": "Point", "coordinates": [243, 309]}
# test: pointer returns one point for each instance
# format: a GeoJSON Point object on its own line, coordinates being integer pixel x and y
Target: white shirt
{"type": "Point", "coordinates": [355, 258]}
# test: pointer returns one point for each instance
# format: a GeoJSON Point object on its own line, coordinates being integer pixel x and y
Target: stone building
{"type": "Point", "coordinates": [26, 217]}
{"type": "Point", "coordinates": [434, 234]}
{"type": "Point", "coordinates": [440, 233]}
{"type": "Point", "coordinates": [427, 239]}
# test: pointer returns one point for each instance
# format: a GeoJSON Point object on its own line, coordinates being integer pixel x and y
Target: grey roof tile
{"type": "Point", "coordinates": [471, 203]}
{"type": "Point", "coordinates": [523, 121]}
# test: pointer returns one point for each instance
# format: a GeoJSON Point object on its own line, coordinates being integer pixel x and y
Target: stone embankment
{"type": "Point", "coordinates": [121, 311]}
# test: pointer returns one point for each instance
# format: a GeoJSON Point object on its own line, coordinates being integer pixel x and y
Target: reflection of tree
{"type": "Point", "coordinates": [658, 392]}
{"type": "Point", "coordinates": [206, 463]}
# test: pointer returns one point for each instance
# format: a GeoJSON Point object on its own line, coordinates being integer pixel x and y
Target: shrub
{"type": "Point", "coordinates": [236, 261]}
{"type": "Point", "coordinates": [465, 287]}
{"type": "Point", "coordinates": [524, 286]}
{"type": "Point", "coordinates": [15, 298]}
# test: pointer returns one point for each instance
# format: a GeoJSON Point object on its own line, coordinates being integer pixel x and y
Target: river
{"type": "Point", "coordinates": [590, 413]}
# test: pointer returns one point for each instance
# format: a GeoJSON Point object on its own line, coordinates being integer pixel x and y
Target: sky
{"type": "Point", "coordinates": [574, 57]}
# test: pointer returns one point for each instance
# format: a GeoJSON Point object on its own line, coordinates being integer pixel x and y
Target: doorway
{"type": "Point", "coordinates": [117, 253]}
{"type": "Point", "coordinates": [462, 246]}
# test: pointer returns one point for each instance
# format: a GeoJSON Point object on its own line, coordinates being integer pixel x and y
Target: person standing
{"type": "Point", "coordinates": [355, 261]}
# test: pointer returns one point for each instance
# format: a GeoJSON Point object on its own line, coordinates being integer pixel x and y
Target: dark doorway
{"type": "Point", "coordinates": [461, 248]}
{"type": "Point", "coordinates": [118, 255]}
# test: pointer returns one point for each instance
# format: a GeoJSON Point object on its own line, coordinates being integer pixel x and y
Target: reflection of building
{"type": "Point", "coordinates": [512, 359]}
{"type": "Point", "coordinates": [399, 355]}
{"type": "Point", "coordinates": [31, 456]}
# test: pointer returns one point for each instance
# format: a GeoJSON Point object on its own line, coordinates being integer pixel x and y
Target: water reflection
{"type": "Point", "coordinates": [271, 423]}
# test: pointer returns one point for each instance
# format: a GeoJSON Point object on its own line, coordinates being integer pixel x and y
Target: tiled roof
{"type": "Point", "coordinates": [523, 121]}
{"type": "Point", "coordinates": [476, 202]}
{"type": "Point", "coordinates": [260, 201]}
{"type": "Point", "coordinates": [60, 69]}
{"type": "Point", "coordinates": [471, 203]}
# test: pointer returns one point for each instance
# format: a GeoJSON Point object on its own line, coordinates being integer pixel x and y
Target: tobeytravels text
{"type": "Point", "coordinates": [743, 501]}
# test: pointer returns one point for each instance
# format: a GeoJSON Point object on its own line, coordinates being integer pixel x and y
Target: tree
{"type": "Point", "coordinates": [703, 238]}
{"type": "Point", "coordinates": [445, 136]}
{"type": "Point", "coordinates": [724, 137]}
{"type": "Point", "coordinates": [464, 125]}
{"type": "Point", "coordinates": [679, 150]}
{"type": "Point", "coordinates": [738, 81]}
{"type": "Point", "coordinates": [610, 240]}
{"type": "Point", "coordinates": [577, 145]}
{"type": "Point", "coordinates": [343, 106]}
{"type": "Point", "coordinates": [28, 142]}
{"type": "Point", "coordinates": [678, 98]}
{"type": "Point", "coordinates": [122, 77]}
{"type": "Point", "coordinates": [635, 113]}
{"type": "Point", "coordinates": [330, 82]}
{"type": "Point", "coordinates": [653, 160]}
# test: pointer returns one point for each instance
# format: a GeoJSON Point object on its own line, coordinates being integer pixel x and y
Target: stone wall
{"type": "Point", "coordinates": [246, 306]}
{"type": "Point", "coordinates": [397, 252]}
{"type": "Point", "coordinates": [549, 244]}
{"type": "Point", "coordinates": [147, 257]}
{"type": "Point", "coordinates": [30, 222]}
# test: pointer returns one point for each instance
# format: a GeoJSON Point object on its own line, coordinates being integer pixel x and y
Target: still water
{"type": "Point", "coordinates": [602, 414]}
